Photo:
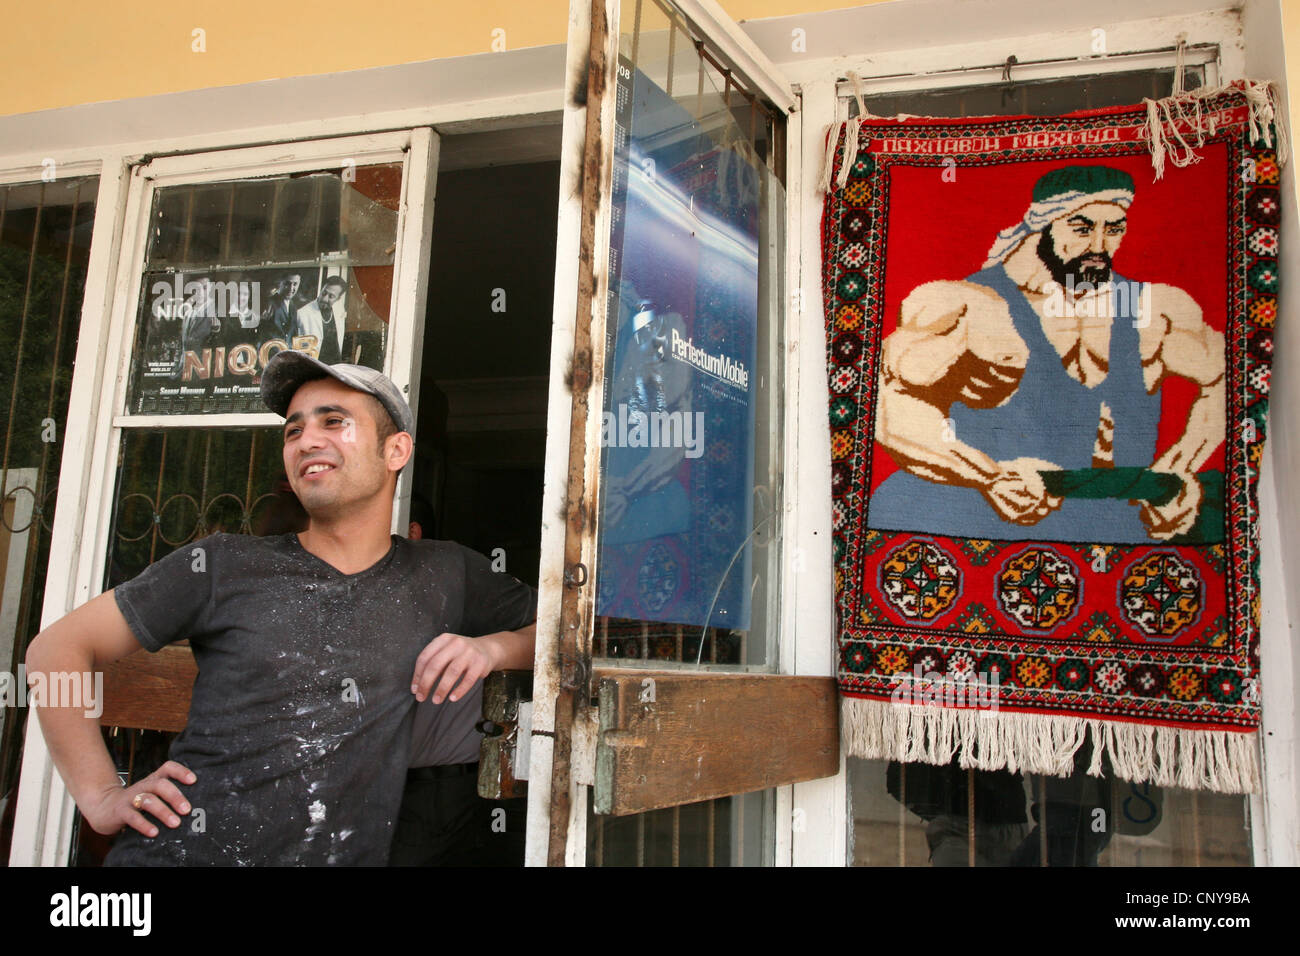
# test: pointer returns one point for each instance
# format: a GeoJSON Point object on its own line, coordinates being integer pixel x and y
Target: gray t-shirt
{"type": "Point", "coordinates": [448, 733]}
{"type": "Point", "coordinates": [300, 722]}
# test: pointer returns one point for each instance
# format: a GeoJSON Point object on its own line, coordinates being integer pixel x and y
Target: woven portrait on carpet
{"type": "Point", "coordinates": [1048, 372]}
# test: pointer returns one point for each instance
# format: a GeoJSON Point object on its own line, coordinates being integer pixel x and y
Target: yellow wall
{"type": "Point", "coordinates": [83, 51]}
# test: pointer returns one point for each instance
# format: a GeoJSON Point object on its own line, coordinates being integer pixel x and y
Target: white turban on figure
{"type": "Point", "coordinates": [1056, 195]}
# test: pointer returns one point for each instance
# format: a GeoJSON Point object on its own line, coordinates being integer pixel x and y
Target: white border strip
{"type": "Point", "coordinates": [42, 820]}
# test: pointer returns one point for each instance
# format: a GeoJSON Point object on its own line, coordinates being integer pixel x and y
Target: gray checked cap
{"type": "Point", "coordinates": [288, 370]}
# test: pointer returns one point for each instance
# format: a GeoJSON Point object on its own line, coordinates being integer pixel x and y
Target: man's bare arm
{"type": "Point", "coordinates": [920, 438]}
{"type": "Point", "coordinates": [955, 341]}
{"type": "Point", "coordinates": [461, 661]}
{"type": "Point", "coordinates": [88, 639]}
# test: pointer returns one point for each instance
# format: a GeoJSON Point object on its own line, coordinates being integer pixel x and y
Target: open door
{"type": "Point", "coordinates": [227, 258]}
{"type": "Point", "coordinates": [657, 679]}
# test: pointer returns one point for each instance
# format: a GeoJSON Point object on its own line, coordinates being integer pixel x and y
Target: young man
{"type": "Point", "coordinates": [312, 647]}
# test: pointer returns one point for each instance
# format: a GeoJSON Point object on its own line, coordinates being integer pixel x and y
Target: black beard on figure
{"type": "Point", "coordinates": [1060, 269]}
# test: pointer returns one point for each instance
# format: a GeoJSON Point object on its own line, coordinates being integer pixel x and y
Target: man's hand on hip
{"type": "Point", "coordinates": [155, 795]}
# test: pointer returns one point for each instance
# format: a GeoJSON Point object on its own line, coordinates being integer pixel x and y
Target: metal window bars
{"type": "Point", "coordinates": [44, 250]}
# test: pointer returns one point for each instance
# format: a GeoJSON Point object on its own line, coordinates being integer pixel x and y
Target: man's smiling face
{"type": "Point", "coordinates": [332, 452]}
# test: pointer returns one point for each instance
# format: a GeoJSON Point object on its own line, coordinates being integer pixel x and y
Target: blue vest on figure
{"type": "Point", "coordinates": [1050, 416]}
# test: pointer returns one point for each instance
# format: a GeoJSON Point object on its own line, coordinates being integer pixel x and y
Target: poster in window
{"type": "Point", "coordinates": [207, 336]}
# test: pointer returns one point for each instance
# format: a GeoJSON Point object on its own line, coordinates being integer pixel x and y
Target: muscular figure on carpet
{"type": "Point", "coordinates": [1045, 360]}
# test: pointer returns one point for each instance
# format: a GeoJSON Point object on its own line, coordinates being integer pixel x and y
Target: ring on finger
{"type": "Point", "coordinates": [138, 800]}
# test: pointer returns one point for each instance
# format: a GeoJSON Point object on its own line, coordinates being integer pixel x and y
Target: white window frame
{"type": "Point", "coordinates": [416, 150]}
{"type": "Point", "coordinates": [44, 817]}
{"type": "Point", "coordinates": [1215, 39]}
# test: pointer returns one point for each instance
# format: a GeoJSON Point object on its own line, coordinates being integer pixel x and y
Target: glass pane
{"type": "Point", "coordinates": [237, 271]}
{"type": "Point", "coordinates": [1048, 97]}
{"type": "Point", "coordinates": [44, 247]}
{"type": "Point", "coordinates": [689, 529]}
{"type": "Point", "coordinates": [177, 485]}
{"type": "Point", "coordinates": [920, 815]}
{"type": "Point", "coordinates": [688, 533]}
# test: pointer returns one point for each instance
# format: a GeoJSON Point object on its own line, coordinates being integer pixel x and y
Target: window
{"type": "Point", "coordinates": [690, 489]}
{"type": "Point", "coordinates": [917, 814]}
{"type": "Point", "coordinates": [44, 249]}
{"type": "Point", "coordinates": [680, 452]}
{"type": "Point", "coordinates": [235, 257]}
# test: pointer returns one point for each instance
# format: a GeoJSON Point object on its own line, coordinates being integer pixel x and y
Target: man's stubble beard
{"type": "Point", "coordinates": [321, 504]}
{"type": "Point", "coordinates": [1062, 271]}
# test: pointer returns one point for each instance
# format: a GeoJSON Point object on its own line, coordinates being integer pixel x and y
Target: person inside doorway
{"type": "Point", "coordinates": [443, 821]}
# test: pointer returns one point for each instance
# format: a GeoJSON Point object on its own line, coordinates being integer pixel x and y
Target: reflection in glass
{"type": "Point", "coordinates": [688, 524]}
{"type": "Point", "coordinates": [688, 533]}
{"type": "Point", "coordinates": [236, 271]}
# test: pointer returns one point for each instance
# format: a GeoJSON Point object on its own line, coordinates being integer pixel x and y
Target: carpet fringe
{"type": "Point", "coordinates": [1220, 760]}
{"type": "Point", "coordinates": [1169, 118]}
{"type": "Point", "coordinates": [850, 130]}
{"type": "Point", "coordinates": [1171, 122]}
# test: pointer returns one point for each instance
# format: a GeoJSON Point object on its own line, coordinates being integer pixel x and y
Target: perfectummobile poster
{"type": "Point", "coordinates": [678, 424]}
{"type": "Point", "coordinates": [205, 337]}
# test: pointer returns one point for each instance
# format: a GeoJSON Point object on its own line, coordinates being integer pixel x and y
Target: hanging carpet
{"type": "Point", "coordinates": [1048, 354]}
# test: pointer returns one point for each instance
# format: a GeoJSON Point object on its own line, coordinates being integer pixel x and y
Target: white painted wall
{"type": "Point", "coordinates": [1279, 501]}
{"type": "Point", "coordinates": [916, 44]}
